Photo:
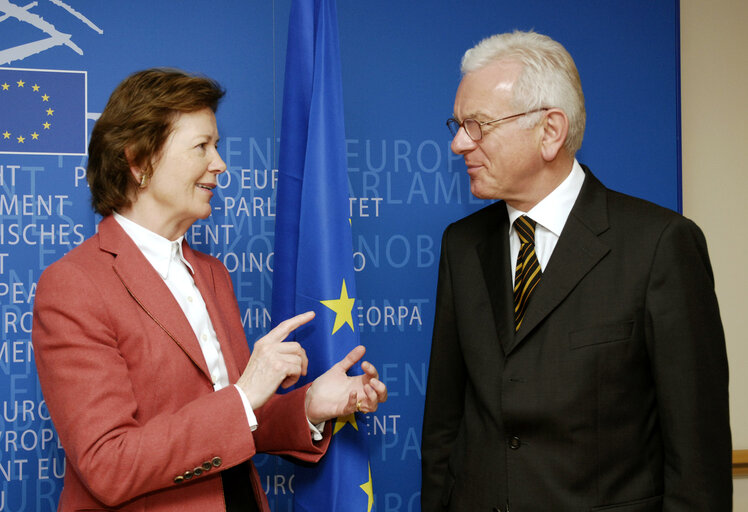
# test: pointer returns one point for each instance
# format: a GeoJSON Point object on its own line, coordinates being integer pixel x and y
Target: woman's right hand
{"type": "Point", "coordinates": [274, 362]}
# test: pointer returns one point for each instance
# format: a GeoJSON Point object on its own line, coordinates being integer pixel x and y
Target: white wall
{"type": "Point", "coordinates": [714, 79]}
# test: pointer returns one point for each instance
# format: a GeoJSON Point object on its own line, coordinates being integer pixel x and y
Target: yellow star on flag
{"type": "Point", "coordinates": [368, 488]}
{"type": "Point", "coordinates": [5, 86]}
{"type": "Point", "coordinates": [35, 136]}
{"type": "Point", "coordinates": [343, 308]}
{"type": "Point", "coordinates": [21, 83]}
{"type": "Point", "coordinates": [46, 126]}
{"type": "Point", "coordinates": [20, 139]}
{"type": "Point", "coordinates": [6, 134]}
{"type": "Point", "coordinates": [342, 421]}
{"type": "Point", "coordinates": [35, 87]}
{"type": "Point", "coordinates": [45, 98]}
{"type": "Point", "coordinates": [50, 111]}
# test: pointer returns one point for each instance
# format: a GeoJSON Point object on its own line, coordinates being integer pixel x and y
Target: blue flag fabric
{"type": "Point", "coordinates": [42, 111]}
{"type": "Point", "coordinates": [313, 244]}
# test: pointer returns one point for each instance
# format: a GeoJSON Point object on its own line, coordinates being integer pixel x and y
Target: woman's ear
{"type": "Point", "coordinates": [134, 168]}
{"type": "Point", "coordinates": [555, 130]}
{"type": "Point", "coordinates": [139, 174]}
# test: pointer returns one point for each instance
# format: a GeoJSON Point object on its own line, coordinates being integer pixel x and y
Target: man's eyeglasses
{"type": "Point", "coordinates": [474, 129]}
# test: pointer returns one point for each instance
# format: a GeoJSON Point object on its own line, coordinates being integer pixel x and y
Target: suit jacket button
{"type": "Point", "coordinates": [188, 474]}
{"type": "Point", "coordinates": [178, 479]}
{"type": "Point", "coordinates": [197, 471]}
{"type": "Point", "coordinates": [207, 465]}
{"type": "Point", "coordinates": [216, 461]}
{"type": "Point", "coordinates": [514, 443]}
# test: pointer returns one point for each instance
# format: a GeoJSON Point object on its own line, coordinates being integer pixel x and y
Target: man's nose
{"type": "Point", "coordinates": [461, 142]}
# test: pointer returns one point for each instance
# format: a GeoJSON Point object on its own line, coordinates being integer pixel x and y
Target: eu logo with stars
{"type": "Point", "coordinates": [42, 112]}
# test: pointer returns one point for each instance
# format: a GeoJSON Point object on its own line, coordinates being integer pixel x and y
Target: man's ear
{"type": "Point", "coordinates": [555, 130]}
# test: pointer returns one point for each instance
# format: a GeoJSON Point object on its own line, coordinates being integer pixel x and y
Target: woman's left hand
{"type": "Point", "coordinates": [335, 393]}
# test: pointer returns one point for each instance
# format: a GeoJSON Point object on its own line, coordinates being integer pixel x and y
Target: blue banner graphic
{"type": "Point", "coordinates": [42, 112]}
{"type": "Point", "coordinates": [400, 71]}
{"type": "Point", "coordinates": [313, 244]}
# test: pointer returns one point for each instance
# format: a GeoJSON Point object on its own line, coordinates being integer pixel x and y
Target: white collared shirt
{"type": "Point", "coordinates": [550, 214]}
{"type": "Point", "coordinates": [168, 260]}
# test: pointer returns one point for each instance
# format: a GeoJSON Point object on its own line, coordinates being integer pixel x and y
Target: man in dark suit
{"type": "Point", "coordinates": [578, 358]}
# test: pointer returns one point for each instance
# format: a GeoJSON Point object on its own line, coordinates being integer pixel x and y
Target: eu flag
{"type": "Point", "coordinates": [313, 244]}
{"type": "Point", "coordinates": [42, 111]}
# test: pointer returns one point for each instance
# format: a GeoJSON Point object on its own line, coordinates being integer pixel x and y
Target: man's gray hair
{"type": "Point", "coordinates": [549, 77]}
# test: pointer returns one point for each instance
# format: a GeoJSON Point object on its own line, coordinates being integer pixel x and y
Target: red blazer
{"type": "Point", "coordinates": [128, 389]}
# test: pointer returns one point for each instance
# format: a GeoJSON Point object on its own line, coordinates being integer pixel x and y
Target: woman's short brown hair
{"type": "Point", "coordinates": [139, 117]}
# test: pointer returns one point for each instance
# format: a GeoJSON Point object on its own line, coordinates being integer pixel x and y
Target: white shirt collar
{"type": "Point", "coordinates": [159, 251]}
{"type": "Point", "coordinates": [553, 210]}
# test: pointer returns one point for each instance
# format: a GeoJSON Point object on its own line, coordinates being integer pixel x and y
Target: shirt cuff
{"type": "Point", "coordinates": [316, 430]}
{"type": "Point", "coordinates": [251, 419]}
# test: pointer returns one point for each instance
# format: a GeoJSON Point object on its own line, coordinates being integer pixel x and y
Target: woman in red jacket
{"type": "Point", "coordinates": [138, 339]}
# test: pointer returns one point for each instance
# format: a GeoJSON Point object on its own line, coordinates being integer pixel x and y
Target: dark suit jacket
{"type": "Point", "coordinates": [613, 394]}
{"type": "Point", "coordinates": [129, 391]}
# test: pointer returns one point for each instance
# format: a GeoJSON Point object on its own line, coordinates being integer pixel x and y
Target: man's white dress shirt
{"type": "Point", "coordinates": [550, 214]}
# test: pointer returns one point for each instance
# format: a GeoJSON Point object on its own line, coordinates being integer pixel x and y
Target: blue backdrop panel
{"type": "Point", "coordinates": [400, 63]}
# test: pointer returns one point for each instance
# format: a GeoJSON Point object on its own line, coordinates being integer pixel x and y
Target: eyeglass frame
{"type": "Point", "coordinates": [452, 121]}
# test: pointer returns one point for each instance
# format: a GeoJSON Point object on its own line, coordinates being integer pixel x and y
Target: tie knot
{"type": "Point", "coordinates": [525, 228]}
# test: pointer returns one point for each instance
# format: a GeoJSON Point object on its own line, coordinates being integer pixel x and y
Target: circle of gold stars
{"type": "Point", "coordinates": [21, 138]}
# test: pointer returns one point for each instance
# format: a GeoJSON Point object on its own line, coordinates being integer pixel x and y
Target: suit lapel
{"type": "Point", "coordinates": [493, 253]}
{"type": "Point", "coordinates": [205, 282]}
{"type": "Point", "coordinates": [578, 250]}
{"type": "Point", "coordinates": [148, 289]}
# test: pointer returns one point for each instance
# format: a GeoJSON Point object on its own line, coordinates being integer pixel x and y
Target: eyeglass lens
{"type": "Point", "coordinates": [472, 128]}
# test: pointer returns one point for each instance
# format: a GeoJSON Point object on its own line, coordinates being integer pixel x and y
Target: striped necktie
{"type": "Point", "coordinates": [527, 274]}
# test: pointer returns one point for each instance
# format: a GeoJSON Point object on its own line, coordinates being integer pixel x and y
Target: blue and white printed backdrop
{"type": "Point", "coordinates": [60, 60]}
